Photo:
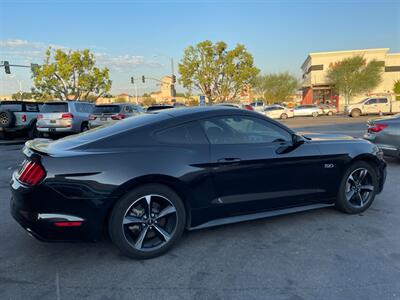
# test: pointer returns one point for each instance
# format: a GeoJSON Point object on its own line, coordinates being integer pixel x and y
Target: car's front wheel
{"type": "Point", "coordinates": [147, 221]}
{"type": "Point", "coordinates": [284, 116]}
{"type": "Point", "coordinates": [358, 188]}
{"type": "Point", "coordinates": [315, 114]}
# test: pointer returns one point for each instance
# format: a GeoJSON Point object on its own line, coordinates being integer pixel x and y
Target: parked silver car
{"type": "Point", "coordinates": [105, 113]}
{"type": "Point", "coordinates": [385, 133]}
{"type": "Point", "coordinates": [64, 117]}
{"type": "Point", "coordinates": [307, 110]}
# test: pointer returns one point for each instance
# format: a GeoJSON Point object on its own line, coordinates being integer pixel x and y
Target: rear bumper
{"type": "Point", "coordinates": [55, 129]}
{"type": "Point", "coordinates": [37, 209]}
{"type": "Point", "coordinates": [15, 129]}
{"type": "Point", "coordinates": [387, 149]}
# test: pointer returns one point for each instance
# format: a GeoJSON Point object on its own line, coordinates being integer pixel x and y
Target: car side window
{"type": "Point", "coordinates": [371, 101]}
{"type": "Point", "coordinates": [382, 100]}
{"type": "Point", "coordinates": [31, 107]}
{"type": "Point", "coordinates": [78, 107]}
{"type": "Point", "coordinates": [243, 130]}
{"type": "Point", "coordinates": [128, 109]}
{"type": "Point", "coordinates": [189, 133]}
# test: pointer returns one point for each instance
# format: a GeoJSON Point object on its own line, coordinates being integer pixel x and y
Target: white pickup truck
{"type": "Point", "coordinates": [373, 106]}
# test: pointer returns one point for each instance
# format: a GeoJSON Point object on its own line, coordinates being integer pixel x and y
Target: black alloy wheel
{"type": "Point", "coordinates": [147, 221]}
{"type": "Point", "coordinates": [358, 188]}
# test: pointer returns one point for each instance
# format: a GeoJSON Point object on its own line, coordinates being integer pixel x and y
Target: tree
{"type": "Point", "coordinates": [396, 89]}
{"type": "Point", "coordinates": [20, 96]}
{"type": "Point", "coordinates": [276, 87]}
{"type": "Point", "coordinates": [71, 75]}
{"type": "Point", "coordinates": [353, 75]}
{"type": "Point", "coordinates": [220, 74]}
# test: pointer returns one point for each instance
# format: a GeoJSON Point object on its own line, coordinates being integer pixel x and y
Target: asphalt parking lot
{"type": "Point", "coordinates": [322, 254]}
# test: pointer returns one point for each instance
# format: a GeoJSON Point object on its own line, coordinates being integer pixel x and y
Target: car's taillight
{"type": "Point", "coordinates": [92, 117]}
{"type": "Point", "coordinates": [39, 116]}
{"type": "Point", "coordinates": [248, 107]}
{"type": "Point", "coordinates": [118, 117]}
{"type": "Point", "coordinates": [377, 127]}
{"type": "Point", "coordinates": [23, 118]}
{"type": "Point", "coordinates": [32, 173]}
{"type": "Point", "coordinates": [67, 116]}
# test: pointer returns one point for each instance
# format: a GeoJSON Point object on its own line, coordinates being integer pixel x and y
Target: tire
{"type": "Point", "coordinates": [7, 119]}
{"type": "Point", "coordinates": [131, 226]}
{"type": "Point", "coordinates": [84, 127]}
{"type": "Point", "coordinates": [330, 113]}
{"type": "Point", "coordinates": [284, 116]}
{"type": "Point", "coordinates": [33, 133]}
{"type": "Point", "coordinates": [315, 114]}
{"type": "Point", "coordinates": [355, 113]}
{"type": "Point", "coordinates": [350, 195]}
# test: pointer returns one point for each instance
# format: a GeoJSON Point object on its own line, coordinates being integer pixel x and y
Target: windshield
{"type": "Point", "coordinates": [54, 107]}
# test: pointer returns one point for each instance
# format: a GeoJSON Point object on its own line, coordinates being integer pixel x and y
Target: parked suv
{"type": "Point", "coordinates": [64, 117]}
{"type": "Point", "coordinates": [18, 117]}
{"type": "Point", "coordinates": [103, 114]}
{"type": "Point", "coordinates": [370, 106]}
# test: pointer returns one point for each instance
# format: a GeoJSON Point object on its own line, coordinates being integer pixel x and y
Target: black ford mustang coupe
{"type": "Point", "coordinates": [145, 179]}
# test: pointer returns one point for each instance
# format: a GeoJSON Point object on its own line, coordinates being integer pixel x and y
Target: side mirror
{"type": "Point", "coordinates": [297, 140]}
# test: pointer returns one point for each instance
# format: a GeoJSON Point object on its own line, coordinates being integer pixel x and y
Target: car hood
{"type": "Point", "coordinates": [326, 136]}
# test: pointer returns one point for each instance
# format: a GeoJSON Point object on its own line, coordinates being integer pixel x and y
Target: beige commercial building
{"type": "Point", "coordinates": [316, 89]}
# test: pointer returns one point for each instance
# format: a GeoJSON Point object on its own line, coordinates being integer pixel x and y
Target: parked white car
{"type": "Point", "coordinates": [307, 110]}
{"type": "Point", "coordinates": [278, 112]}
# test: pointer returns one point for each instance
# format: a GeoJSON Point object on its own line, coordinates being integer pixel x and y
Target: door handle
{"type": "Point", "coordinates": [229, 160]}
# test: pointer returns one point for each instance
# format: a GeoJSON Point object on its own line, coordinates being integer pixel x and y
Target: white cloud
{"type": "Point", "coordinates": [16, 43]}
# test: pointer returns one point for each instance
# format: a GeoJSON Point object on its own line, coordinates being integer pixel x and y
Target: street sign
{"type": "Point", "coordinates": [202, 100]}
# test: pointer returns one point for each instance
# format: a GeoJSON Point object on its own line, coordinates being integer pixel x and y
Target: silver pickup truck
{"type": "Point", "coordinates": [18, 118]}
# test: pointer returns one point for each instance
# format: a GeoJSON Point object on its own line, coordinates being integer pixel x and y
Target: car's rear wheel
{"type": "Point", "coordinates": [84, 127]}
{"type": "Point", "coordinates": [315, 114]}
{"type": "Point", "coordinates": [355, 113]}
{"type": "Point", "coordinates": [147, 221]}
{"type": "Point", "coordinates": [284, 116]}
{"type": "Point", "coordinates": [358, 188]}
{"type": "Point", "coordinates": [330, 113]}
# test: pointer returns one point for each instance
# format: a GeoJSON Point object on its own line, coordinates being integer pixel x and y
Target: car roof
{"type": "Point", "coordinates": [206, 110]}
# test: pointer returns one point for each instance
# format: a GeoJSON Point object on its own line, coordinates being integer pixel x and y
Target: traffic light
{"type": "Point", "coordinates": [173, 79]}
{"type": "Point", "coordinates": [34, 68]}
{"type": "Point", "coordinates": [7, 67]}
{"type": "Point", "coordinates": [143, 79]}
{"type": "Point", "coordinates": [132, 80]}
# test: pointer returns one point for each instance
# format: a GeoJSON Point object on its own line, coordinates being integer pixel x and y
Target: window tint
{"type": "Point", "coordinates": [106, 109]}
{"type": "Point", "coordinates": [31, 107]}
{"type": "Point", "coordinates": [11, 107]}
{"type": "Point", "coordinates": [128, 109]}
{"type": "Point", "coordinates": [243, 130]}
{"type": "Point", "coordinates": [371, 101]}
{"type": "Point", "coordinates": [382, 100]}
{"type": "Point", "coordinates": [189, 133]}
{"type": "Point", "coordinates": [55, 107]}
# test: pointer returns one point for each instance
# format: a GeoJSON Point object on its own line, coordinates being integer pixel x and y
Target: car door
{"type": "Point", "coordinates": [256, 166]}
{"type": "Point", "coordinates": [383, 105]}
{"type": "Point", "coordinates": [370, 106]}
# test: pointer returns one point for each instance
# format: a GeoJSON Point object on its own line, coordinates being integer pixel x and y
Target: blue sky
{"type": "Point", "coordinates": [137, 37]}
